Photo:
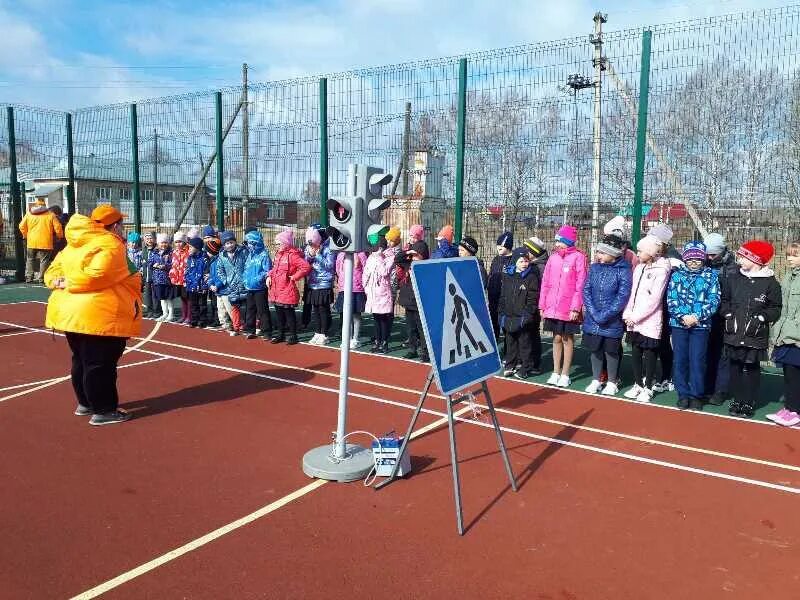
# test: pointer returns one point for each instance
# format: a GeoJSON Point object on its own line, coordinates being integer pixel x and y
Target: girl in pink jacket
{"type": "Point", "coordinates": [644, 315]}
{"type": "Point", "coordinates": [380, 298]}
{"type": "Point", "coordinates": [561, 300]}
{"type": "Point", "coordinates": [359, 297]}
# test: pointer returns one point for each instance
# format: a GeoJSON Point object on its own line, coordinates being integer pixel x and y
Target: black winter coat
{"type": "Point", "coordinates": [405, 289]}
{"type": "Point", "coordinates": [496, 271]}
{"type": "Point", "coordinates": [519, 300]}
{"type": "Point", "coordinates": [749, 305]}
{"type": "Point", "coordinates": [725, 267]}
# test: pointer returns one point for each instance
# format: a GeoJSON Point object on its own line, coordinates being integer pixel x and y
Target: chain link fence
{"type": "Point", "coordinates": [723, 148]}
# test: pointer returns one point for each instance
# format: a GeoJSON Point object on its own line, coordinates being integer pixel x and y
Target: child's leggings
{"type": "Point", "coordinates": [791, 387]}
{"type": "Point", "coordinates": [612, 364]}
{"type": "Point", "coordinates": [644, 357]}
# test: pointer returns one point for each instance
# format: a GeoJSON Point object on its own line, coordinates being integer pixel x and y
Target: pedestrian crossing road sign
{"type": "Point", "coordinates": [458, 331]}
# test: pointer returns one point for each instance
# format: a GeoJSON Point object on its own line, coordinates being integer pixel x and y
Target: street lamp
{"type": "Point", "coordinates": [576, 82]}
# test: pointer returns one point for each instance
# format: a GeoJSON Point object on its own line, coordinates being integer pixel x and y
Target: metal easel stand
{"type": "Point", "coordinates": [453, 451]}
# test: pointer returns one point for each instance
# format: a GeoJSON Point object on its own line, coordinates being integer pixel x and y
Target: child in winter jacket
{"type": "Point", "coordinates": [751, 301]}
{"type": "Point", "coordinates": [256, 267]}
{"type": "Point", "coordinates": [380, 300]}
{"type": "Point", "coordinates": [160, 262]}
{"type": "Point", "coordinates": [135, 250]}
{"type": "Point", "coordinates": [519, 315]}
{"type": "Point", "coordinates": [180, 252]}
{"type": "Point", "coordinates": [319, 282]}
{"type": "Point", "coordinates": [196, 282]}
{"type": "Point", "coordinates": [230, 273]}
{"type": "Point", "coordinates": [644, 316]}
{"type": "Point", "coordinates": [693, 297]}
{"type": "Point", "coordinates": [152, 307]}
{"type": "Point", "coordinates": [444, 244]}
{"type": "Point", "coordinates": [417, 347]}
{"type": "Point", "coordinates": [786, 341]}
{"type": "Point", "coordinates": [212, 249]}
{"type": "Point", "coordinates": [505, 244]}
{"type": "Point", "coordinates": [605, 295]}
{"type": "Point", "coordinates": [288, 269]}
{"type": "Point", "coordinates": [561, 300]}
{"type": "Point", "coordinates": [468, 246]}
{"type": "Point", "coordinates": [359, 298]}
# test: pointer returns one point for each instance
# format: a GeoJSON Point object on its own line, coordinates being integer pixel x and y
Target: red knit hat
{"type": "Point", "coordinates": [758, 251]}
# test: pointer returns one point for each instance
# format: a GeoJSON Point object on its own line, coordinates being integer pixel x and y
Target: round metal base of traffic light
{"type": "Point", "coordinates": [356, 464]}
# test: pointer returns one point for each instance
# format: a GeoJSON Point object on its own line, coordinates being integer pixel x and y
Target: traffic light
{"type": "Point", "coordinates": [370, 182]}
{"type": "Point", "coordinates": [345, 223]}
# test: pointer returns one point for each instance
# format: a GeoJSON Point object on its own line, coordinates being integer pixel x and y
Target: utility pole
{"type": "Point", "coordinates": [599, 64]}
{"type": "Point", "coordinates": [245, 149]}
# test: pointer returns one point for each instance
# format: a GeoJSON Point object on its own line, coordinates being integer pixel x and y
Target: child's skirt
{"type": "Point", "coordinates": [359, 302]}
{"type": "Point", "coordinates": [635, 338]}
{"type": "Point", "coordinates": [559, 327]}
{"type": "Point", "coordinates": [320, 297]}
{"type": "Point", "coordinates": [597, 343]}
{"type": "Point", "coordinates": [748, 356]}
{"type": "Point", "coordinates": [163, 291]}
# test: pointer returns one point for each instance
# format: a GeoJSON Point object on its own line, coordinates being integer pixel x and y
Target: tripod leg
{"type": "Point", "coordinates": [454, 459]}
{"type": "Point", "coordinates": [407, 437]}
{"type": "Point", "coordinates": [499, 434]}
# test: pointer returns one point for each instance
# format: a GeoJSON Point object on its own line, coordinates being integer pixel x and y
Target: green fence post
{"type": "Point", "coordinates": [462, 117]}
{"type": "Point", "coordinates": [16, 197]}
{"type": "Point", "coordinates": [220, 174]}
{"type": "Point", "coordinates": [641, 138]}
{"type": "Point", "coordinates": [323, 151]}
{"type": "Point", "coordinates": [70, 168]}
{"type": "Point", "coordinates": [137, 199]}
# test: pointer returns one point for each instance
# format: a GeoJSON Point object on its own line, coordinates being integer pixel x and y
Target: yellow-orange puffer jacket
{"type": "Point", "coordinates": [104, 290]}
{"type": "Point", "coordinates": [40, 228]}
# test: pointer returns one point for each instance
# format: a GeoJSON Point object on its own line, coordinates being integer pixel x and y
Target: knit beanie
{"type": "Point", "coordinates": [535, 246]}
{"type": "Point", "coordinates": [227, 236]}
{"type": "Point", "coordinates": [758, 251]}
{"type": "Point", "coordinates": [209, 231]}
{"type": "Point", "coordinates": [715, 243]}
{"type": "Point", "coordinates": [393, 235]}
{"type": "Point", "coordinates": [567, 235]}
{"type": "Point", "coordinates": [313, 237]}
{"type": "Point", "coordinates": [421, 248]}
{"type": "Point", "coordinates": [250, 228]}
{"type": "Point", "coordinates": [285, 237]}
{"type": "Point", "coordinates": [469, 244]}
{"type": "Point", "coordinates": [662, 232]}
{"type": "Point", "coordinates": [213, 246]}
{"type": "Point", "coordinates": [193, 232]}
{"type": "Point", "coordinates": [521, 252]}
{"type": "Point", "coordinates": [161, 238]}
{"type": "Point", "coordinates": [506, 240]}
{"type": "Point", "coordinates": [134, 238]}
{"type": "Point", "coordinates": [446, 233]}
{"type": "Point", "coordinates": [611, 245]}
{"type": "Point", "coordinates": [149, 234]}
{"type": "Point", "coordinates": [693, 251]}
{"type": "Point", "coordinates": [196, 242]}
{"type": "Point", "coordinates": [417, 232]}
{"type": "Point", "coordinates": [179, 236]}
{"type": "Point", "coordinates": [615, 226]}
{"type": "Point", "coordinates": [649, 245]}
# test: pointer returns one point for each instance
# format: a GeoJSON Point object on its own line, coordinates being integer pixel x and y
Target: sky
{"type": "Point", "coordinates": [66, 54]}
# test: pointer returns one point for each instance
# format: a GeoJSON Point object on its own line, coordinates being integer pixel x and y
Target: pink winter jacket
{"type": "Point", "coordinates": [562, 284]}
{"type": "Point", "coordinates": [359, 260]}
{"type": "Point", "coordinates": [377, 282]}
{"type": "Point", "coordinates": [645, 306]}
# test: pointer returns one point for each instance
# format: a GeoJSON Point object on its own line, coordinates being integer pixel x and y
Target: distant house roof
{"type": "Point", "coordinates": [668, 212]}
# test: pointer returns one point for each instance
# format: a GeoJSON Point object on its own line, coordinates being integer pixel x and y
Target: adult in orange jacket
{"type": "Point", "coordinates": [40, 228]}
{"type": "Point", "coordinates": [97, 302]}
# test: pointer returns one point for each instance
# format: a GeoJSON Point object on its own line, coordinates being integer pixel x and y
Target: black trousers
{"type": "Point", "coordinates": [287, 320]}
{"type": "Point", "coordinates": [258, 308]}
{"type": "Point", "coordinates": [383, 327]}
{"type": "Point", "coordinates": [323, 314]}
{"type": "Point", "coordinates": [94, 370]}
{"type": "Point", "coordinates": [717, 364]}
{"type": "Point", "coordinates": [212, 317]}
{"type": "Point", "coordinates": [745, 382]}
{"type": "Point", "coordinates": [416, 334]}
{"type": "Point", "coordinates": [152, 305]}
{"type": "Point", "coordinates": [665, 353]}
{"type": "Point", "coordinates": [197, 308]}
{"type": "Point", "coordinates": [494, 307]}
{"type": "Point", "coordinates": [306, 318]}
{"type": "Point", "coordinates": [791, 387]}
{"type": "Point", "coordinates": [519, 345]}
{"type": "Point", "coordinates": [644, 366]}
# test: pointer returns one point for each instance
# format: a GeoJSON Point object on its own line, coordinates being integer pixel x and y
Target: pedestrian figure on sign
{"type": "Point", "coordinates": [459, 317]}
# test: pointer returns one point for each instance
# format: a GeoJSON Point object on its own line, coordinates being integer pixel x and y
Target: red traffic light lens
{"type": "Point", "coordinates": [340, 212]}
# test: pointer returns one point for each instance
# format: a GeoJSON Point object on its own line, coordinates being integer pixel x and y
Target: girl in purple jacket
{"type": "Point", "coordinates": [561, 300]}
{"type": "Point", "coordinates": [644, 316]}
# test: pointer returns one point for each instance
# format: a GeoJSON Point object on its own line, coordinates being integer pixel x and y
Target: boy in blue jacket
{"type": "Point", "coordinates": [230, 272]}
{"type": "Point", "coordinates": [256, 267]}
{"type": "Point", "coordinates": [196, 282]}
{"type": "Point", "coordinates": [693, 296]}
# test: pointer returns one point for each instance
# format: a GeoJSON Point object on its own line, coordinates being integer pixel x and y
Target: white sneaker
{"type": "Point", "coordinates": [611, 389]}
{"type": "Point", "coordinates": [354, 344]}
{"type": "Point", "coordinates": [315, 339]}
{"type": "Point", "coordinates": [564, 381]}
{"type": "Point", "coordinates": [668, 386]}
{"type": "Point", "coordinates": [634, 392]}
{"type": "Point", "coordinates": [553, 379]}
{"type": "Point", "coordinates": [645, 395]}
{"type": "Point", "coordinates": [323, 340]}
{"type": "Point", "coordinates": [232, 333]}
{"type": "Point", "coordinates": [594, 387]}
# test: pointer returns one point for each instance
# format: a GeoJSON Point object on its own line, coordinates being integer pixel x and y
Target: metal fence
{"type": "Point", "coordinates": [542, 146]}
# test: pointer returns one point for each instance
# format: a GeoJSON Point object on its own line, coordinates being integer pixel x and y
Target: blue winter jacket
{"type": "Point", "coordinates": [213, 275]}
{"type": "Point", "coordinates": [162, 258]}
{"type": "Point", "coordinates": [258, 263]}
{"type": "Point", "coordinates": [196, 269]}
{"type": "Point", "coordinates": [445, 249]}
{"type": "Point", "coordinates": [693, 293]}
{"type": "Point", "coordinates": [230, 271]}
{"type": "Point", "coordinates": [605, 295]}
{"type": "Point", "coordinates": [323, 268]}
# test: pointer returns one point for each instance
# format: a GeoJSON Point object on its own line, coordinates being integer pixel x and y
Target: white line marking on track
{"type": "Point", "coordinates": [5, 335]}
